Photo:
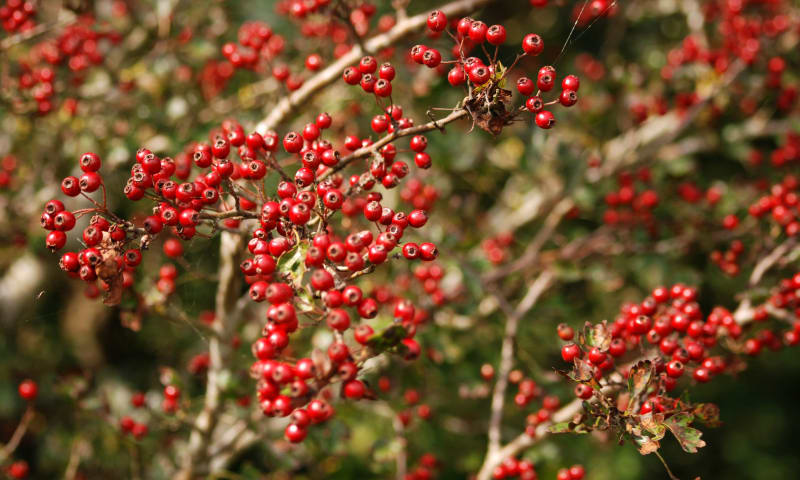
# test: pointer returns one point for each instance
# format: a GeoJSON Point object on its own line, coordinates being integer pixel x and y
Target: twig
{"type": "Point", "coordinates": [507, 354]}
{"type": "Point", "coordinates": [401, 458]}
{"type": "Point", "coordinates": [367, 151]}
{"type": "Point", "coordinates": [16, 437]}
{"type": "Point", "coordinates": [745, 311]}
{"type": "Point", "coordinates": [227, 294]}
{"type": "Point", "coordinates": [664, 462]}
{"type": "Point", "coordinates": [532, 251]}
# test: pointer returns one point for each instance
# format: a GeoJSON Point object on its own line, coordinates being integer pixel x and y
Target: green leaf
{"type": "Point", "coordinates": [568, 427]}
{"type": "Point", "coordinates": [688, 437]}
{"type": "Point", "coordinates": [387, 339]}
{"type": "Point", "coordinates": [293, 262]}
{"type": "Point", "coordinates": [498, 73]}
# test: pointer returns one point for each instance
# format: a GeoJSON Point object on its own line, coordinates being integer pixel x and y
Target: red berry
{"type": "Point", "coordinates": [570, 351]}
{"type": "Point", "coordinates": [477, 31]}
{"type": "Point", "coordinates": [675, 369]}
{"type": "Point", "coordinates": [351, 75]}
{"type": "Point", "coordinates": [545, 119]}
{"type": "Point", "coordinates": [456, 76]}
{"type": "Point", "coordinates": [437, 21]}
{"type": "Point", "coordinates": [568, 98]}
{"type": "Point", "coordinates": [368, 64]}
{"type": "Point", "coordinates": [90, 162]}
{"type": "Point", "coordinates": [293, 142]}
{"type": "Point", "coordinates": [70, 186]}
{"type": "Point", "coordinates": [295, 433]}
{"type": "Point", "coordinates": [546, 78]}
{"type": "Point", "coordinates": [532, 44]}
{"type": "Point", "coordinates": [570, 82]}
{"type": "Point", "coordinates": [428, 251]}
{"type": "Point", "coordinates": [534, 104]}
{"type": "Point", "coordinates": [479, 75]}
{"type": "Point", "coordinates": [525, 86]}
{"type": "Point", "coordinates": [496, 35]}
{"type": "Point", "coordinates": [89, 182]}
{"type": "Point", "coordinates": [28, 390]}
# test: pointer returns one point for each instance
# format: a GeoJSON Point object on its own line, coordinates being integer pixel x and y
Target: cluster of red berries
{"type": "Point", "coordinates": [575, 472]}
{"type": "Point", "coordinates": [786, 297]}
{"type": "Point", "coordinates": [419, 195]}
{"type": "Point", "coordinates": [257, 43]}
{"type": "Point", "coordinates": [411, 398]}
{"type": "Point", "coordinates": [105, 256]}
{"type": "Point", "coordinates": [429, 277]}
{"type": "Point", "coordinates": [79, 47]}
{"type": "Point", "coordinates": [318, 21]}
{"type": "Point", "coordinates": [781, 204]}
{"type": "Point", "coordinates": [214, 76]}
{"type": "Point", "coordinates": [473, 72]}
{"type": "Point", "coordinates": [550, 403]}
{"type": "Point", "coordinates": [785, 155]}
{"type": "Point", "coordinates": [296, 224]}
{"type": "Point", "coordinates": [377, 79]}
{"type": "Point", "coordinates": [131, 426]}
{"type": "Point", "coordinates": [740, 37]}
{"type": "Point", "coordinates": [671, 320]}
{"type": "Point", "coordinates": [18, 15]}
{"type": "Point", "coordinates": [425, 470]}
{"type": "Point", "coordinates": [496, 248]}
{"type": "Point", "coordinates": [728, 260]}
{"type": "Point", "coordinates": [514, 468]}
{"type": "Point", "coordinates": [7, 168]}
{"type": "Point", "coordinates": [626, 206]}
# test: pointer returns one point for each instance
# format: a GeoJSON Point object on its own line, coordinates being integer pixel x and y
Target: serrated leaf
{"type": "Point", "coordinates": [654, 424]}
{"type": "Point", "coordinates": [639, 380]}
{"type": "Point", "coordinates": [646, 445]}
{"type": "Point", "coordinates": [583, 371]}
{"type": "Point", "coordinates": [687, 436]}
{"type": "Point", "coordinates": [293, 262]}
{"type": "Point", "coordinates": [597, 335]}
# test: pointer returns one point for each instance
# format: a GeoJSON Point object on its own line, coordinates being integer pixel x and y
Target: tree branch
{"type": "Point", "coordinates": [16, 437]}
{"type": "Point", "coordinates": [507, 354]}
{"type": "Point", "coordinates": [369, 150]}
{"type": "Point", "coordinates": [197, 454]}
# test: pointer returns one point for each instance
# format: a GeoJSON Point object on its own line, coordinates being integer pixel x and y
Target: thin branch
{"type": "Point", "coordinates": [401, 458]}
{"type": "Point", "coordinates": [745, 311]}
{"type": "Point", "coordinates": [664, 462]}
{"type": "Point", "coordinates": [369, 150]}
{"type": "Point", "coordinates": [197, 456]}
{"type": "Point", "coordinates": [507, 354]}
{"type": "Point", "coordinates": [531, 253]}
{"type": "Point", "coordinates": [16, 437]}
